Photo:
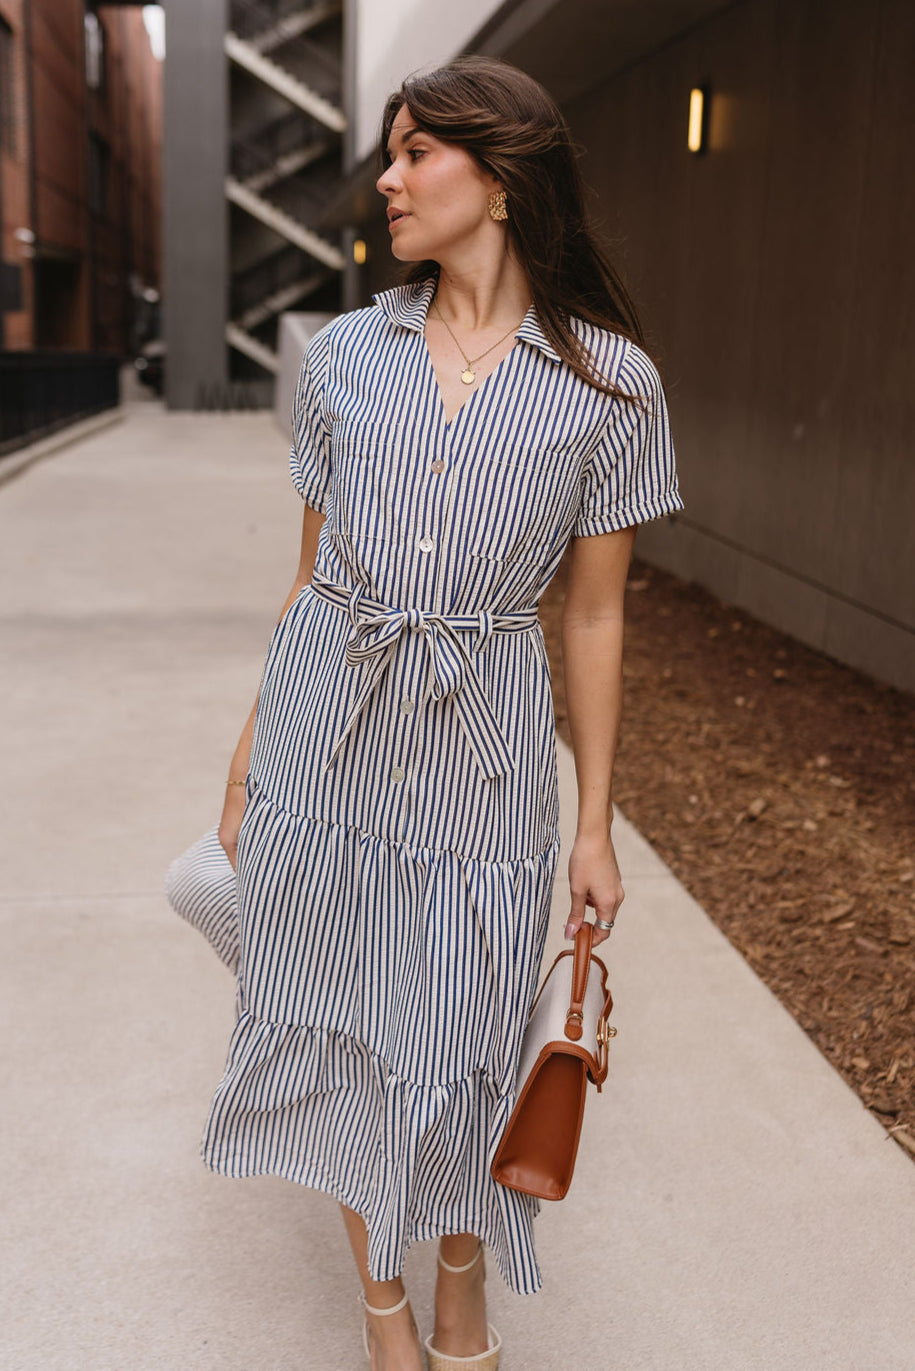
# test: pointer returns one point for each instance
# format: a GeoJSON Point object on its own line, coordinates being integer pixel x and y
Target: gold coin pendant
{"type": "Point", "coordinates": [468, 377]}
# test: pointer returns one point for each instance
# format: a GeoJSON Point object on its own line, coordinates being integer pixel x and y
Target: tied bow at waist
{"type": "Point", "coordinates": [377, 629]}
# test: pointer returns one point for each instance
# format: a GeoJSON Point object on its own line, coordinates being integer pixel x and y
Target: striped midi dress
{"type": "Point", "coordinates": [400, 838]}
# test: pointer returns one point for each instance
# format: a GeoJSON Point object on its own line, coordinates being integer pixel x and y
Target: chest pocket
{"type": "Point", "coordinates": [507, 544]}
{"type": "Point", "coordinates": [521, 504]}
{"type": "Point", "coordinates": [367, 462]}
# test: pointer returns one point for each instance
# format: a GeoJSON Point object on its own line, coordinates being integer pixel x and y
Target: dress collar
{"type": "Point", "coordinates": [408, 306]}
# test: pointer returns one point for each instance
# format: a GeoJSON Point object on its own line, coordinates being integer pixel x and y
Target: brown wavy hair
{"type": "Point", "coordinates": [515, 130]}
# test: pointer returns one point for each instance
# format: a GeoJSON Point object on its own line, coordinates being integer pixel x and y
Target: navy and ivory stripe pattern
{"type": "Point", "coordinates": [400, 837]}
{"type": "Point", "coordinates": [200, 885]}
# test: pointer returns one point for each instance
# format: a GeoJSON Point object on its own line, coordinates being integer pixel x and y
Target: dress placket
{"type": "Point", "coordinates": [417, 696]}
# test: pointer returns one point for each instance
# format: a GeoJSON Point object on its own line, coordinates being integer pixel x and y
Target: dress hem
{"type": "Point", "coordinates": [314, 1177]}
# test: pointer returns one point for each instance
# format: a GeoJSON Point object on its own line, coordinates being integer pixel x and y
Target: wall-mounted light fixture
{"type": "Point", "coordinates": [699, 101]}
{"type": "Point", "coordinates": [360, 251]}
{"type": "Point", "coordinates": [26, 237]}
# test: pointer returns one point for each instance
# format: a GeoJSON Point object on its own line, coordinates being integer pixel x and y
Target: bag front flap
{"type": "Point", "coordinates": [538, 1149]}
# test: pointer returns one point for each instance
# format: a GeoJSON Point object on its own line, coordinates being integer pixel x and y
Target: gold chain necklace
{"type": "Point", "coordinates": [468, 375]}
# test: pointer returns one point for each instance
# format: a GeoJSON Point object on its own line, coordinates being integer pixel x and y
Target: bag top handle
{"type": "Point", "coordinates": [580, 968]}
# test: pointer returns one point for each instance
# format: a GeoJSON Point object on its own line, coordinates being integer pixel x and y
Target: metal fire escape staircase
{"type": "Point", "coordinates": [316, 123]}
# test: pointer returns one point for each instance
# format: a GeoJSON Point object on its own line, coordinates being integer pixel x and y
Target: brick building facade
{"type": "Point", "coordinates": [80, 138]}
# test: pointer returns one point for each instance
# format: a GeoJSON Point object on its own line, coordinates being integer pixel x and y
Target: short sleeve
{"type": "Point", "coordinates": [309, 461]}
{"type": "Point", "coordinates": [631, 476]}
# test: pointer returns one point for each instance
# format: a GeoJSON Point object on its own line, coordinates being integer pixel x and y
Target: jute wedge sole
{"type": "Point", "coordinates": [482, 1361]}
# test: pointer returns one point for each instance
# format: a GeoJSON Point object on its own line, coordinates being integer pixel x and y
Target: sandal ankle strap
{"type": "Point", "coordinates": [467, 1265]}
{"type": "Point", "coordinates": [380, 1313]}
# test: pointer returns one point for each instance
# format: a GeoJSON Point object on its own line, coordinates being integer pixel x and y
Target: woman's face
{"type": "Point", "coordinates": [437, 194]}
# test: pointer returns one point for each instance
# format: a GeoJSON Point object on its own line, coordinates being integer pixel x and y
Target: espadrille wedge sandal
{"type": "Point", "coordinates": [370, 1309]}
{"type": "Point", "coordinates": [483, 1361]}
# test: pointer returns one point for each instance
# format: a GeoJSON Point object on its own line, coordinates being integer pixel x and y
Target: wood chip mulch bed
{"type": "Point", "coordinates": [779, 786]}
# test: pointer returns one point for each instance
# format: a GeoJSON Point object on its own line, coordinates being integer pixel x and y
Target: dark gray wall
{"type": "Point", "coordinates": [195, 238]}
{"type": "Point", "coordinates": [777, 273]}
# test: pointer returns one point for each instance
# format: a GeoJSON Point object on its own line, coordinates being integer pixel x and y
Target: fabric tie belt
{"type": "Point", "coordinates": [377, 629]}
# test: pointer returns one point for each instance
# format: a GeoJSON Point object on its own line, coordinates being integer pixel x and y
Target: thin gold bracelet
{"type": "Point", "coordinates": [231, 782]}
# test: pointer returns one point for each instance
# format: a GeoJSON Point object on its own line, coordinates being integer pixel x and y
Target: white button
{"type": "Point", "coordinates": [406, 706]}
{"type": "Point", "coordinates": [438, 466]}
{"type": "Point", "coordinates": [426, 544]}
{"type": "Point", "coordinates": [396, 774]}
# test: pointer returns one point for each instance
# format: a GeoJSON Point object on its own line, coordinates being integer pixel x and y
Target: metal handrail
{"type": "Point", "coordinates": [44, 390]}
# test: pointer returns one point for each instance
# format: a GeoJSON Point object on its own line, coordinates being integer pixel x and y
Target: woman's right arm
{"type": "Point", "coordinates": [234, 806]}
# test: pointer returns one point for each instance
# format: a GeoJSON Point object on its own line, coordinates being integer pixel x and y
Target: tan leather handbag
{"type": "Point", "coordinates": [564, 1045]}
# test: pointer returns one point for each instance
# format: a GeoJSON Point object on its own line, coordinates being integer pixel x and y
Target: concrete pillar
{"type": "Point", "coordinates": [195, 213]}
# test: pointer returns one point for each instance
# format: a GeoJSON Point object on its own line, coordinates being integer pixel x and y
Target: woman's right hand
{"type": "Point", "coordinates": [234, 806]}
{"type": "Point", "coordinates": [232, 812]}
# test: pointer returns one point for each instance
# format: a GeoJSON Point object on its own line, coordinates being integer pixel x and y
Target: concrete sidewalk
{"type": "Point", "coordinates": [735, 1208]}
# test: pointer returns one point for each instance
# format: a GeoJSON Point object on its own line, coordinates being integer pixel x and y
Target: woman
{"type": "Point", "coordinates": [392, 803]}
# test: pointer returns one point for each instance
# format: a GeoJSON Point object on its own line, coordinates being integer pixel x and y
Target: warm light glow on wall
{"type": "Point", "coordinates": [696, 136]}
{"type": "Point", "coordinates": [360, 252]}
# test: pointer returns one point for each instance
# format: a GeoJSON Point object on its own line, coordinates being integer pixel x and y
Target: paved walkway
{"type": "Point", "coordinates": [735, 1207]}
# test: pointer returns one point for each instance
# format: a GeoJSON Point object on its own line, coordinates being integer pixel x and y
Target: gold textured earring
{"type": "Point", "coordinates": [497, 207]}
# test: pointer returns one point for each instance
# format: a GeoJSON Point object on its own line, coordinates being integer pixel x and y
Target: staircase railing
{"type": "Point", "coordinates": [263, 160]}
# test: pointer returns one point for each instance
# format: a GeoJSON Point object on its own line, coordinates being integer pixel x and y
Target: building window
{"type": "Point", "coordinates": [10, 287]}
{"type": "Point", "coordinates": [99, 163]}
{"type": "Point", "coordinates": [95, 52]}
{"type": "Point", "coordinates": [7, 90]}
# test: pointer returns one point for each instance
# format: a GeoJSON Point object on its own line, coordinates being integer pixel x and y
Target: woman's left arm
{"type": "Point", "coordinates": [592, 659]}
